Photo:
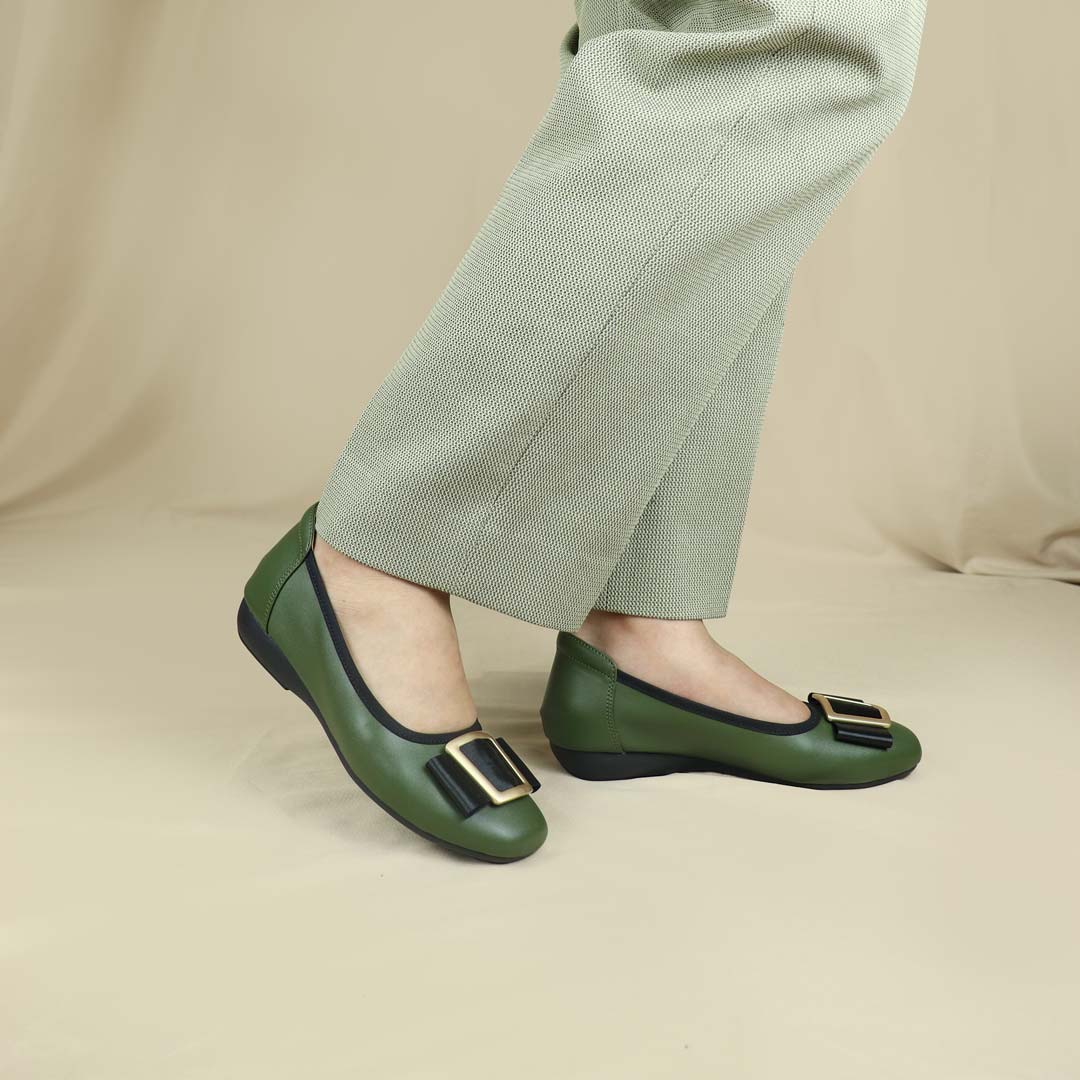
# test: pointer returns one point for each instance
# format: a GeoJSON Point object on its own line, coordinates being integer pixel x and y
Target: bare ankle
{"type": "Point", "coordinates": [681, 656]}
{"type": "Point", "coordinates": [403, 641]}
{"type": "Point", "coordinates": [357, 584]}
{"type": "Point", "coordinates": [608, 630]}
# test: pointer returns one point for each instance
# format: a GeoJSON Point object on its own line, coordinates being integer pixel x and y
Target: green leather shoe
{"type": "Point", "coordinates": [467, 791]}
{"type": "Point", "coordinates": [604, 724]}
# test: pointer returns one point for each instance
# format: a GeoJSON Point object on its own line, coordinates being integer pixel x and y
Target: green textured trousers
{"type": "Point", "coordinates": [575, 424]}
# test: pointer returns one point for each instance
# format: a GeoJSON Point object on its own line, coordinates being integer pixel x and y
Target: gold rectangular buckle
{"type": "Point", "coordinates": [826, 702]}
{"type": "Point", "coordinates": [497, 797]}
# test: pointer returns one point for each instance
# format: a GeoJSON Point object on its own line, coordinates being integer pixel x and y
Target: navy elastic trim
{"type": "Point", "coordinates": [763, 727]}
{"type": "Point", "coordinates": [371, 703]}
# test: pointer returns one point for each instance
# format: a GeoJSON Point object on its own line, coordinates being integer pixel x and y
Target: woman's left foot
{"type": "Point", "coordinates": [466, 790]}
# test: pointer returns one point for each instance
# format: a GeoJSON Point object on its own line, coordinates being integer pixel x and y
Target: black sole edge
{"type": "Point", "coordinates": [273, 660]}
{"type": "Point", "coordinates": [597, 765]}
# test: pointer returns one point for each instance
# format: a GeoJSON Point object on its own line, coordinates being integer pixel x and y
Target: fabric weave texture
{"type": "Point", "coordinates": [575, 424]}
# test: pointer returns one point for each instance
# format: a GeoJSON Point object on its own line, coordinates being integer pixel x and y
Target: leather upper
{"type": "Point", "coordinates": [388, 763]}
{"type": "Point", "coordinates": [586, 708]}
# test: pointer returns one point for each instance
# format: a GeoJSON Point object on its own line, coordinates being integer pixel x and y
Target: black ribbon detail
{"type": "Point", "coordinates": [880, 738]}
{"type": "Point", "coordinates": [462, 789]}
{"type": "Point", "coordinates": [850, 722]}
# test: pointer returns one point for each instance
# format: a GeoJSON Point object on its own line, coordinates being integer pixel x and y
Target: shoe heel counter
{"type": "Point", "coordinates": [578, 706]}
{"type": "Point", "coordinates": [277, 566]}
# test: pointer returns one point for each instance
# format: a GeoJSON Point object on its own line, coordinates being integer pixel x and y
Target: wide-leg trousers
{"type": "Point", "coordinates": [574, 425]}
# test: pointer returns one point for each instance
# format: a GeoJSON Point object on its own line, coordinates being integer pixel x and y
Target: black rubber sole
{"type": "Point", "coordinates": [263, 647]}
{"type": "Point", "coordinates": [595, 765]}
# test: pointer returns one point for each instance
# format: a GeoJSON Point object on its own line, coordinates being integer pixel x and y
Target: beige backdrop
{"type": "Point", "coordinates": [220, 221]}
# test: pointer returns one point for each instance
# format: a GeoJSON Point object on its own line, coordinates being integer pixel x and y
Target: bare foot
{"type": "Point", "coordinates": [403, 641]}
{"type": "Point", "coordinates": [683, 658]}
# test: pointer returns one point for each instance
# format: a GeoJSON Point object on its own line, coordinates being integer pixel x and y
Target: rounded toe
{"type": "Point", "coordinates": [506, 833]}
{"type": "Point", "coordinates": [905, 752]}
{"type": "Point", "coordinates": [872, 767]}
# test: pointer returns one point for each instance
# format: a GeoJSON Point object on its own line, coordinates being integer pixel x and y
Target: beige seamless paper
{"type": "Point", "coordinates": [220, 222]}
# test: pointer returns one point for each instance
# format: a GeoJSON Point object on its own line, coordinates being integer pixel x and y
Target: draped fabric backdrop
{"type": "Point", "coordinates": [220, 222]}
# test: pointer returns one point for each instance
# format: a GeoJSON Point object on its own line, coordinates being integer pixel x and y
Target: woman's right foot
{"type": "Point", "coordinates": [461, 788]}
{"type": "Point", "coordinates": [682, 657]}
{"type": "Point", "coordinates": [606, 723]}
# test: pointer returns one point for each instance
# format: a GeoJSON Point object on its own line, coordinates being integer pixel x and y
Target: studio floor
{"type": "Point", "coordinates": [193, 888]}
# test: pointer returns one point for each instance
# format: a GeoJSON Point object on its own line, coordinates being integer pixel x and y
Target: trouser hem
{"type": "Point", "coordinates": [476, 573]}
{"type": "Point", "coordinates": [467, 570]}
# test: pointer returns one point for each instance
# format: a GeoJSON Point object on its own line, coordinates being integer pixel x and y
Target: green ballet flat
{"type": "Point", "coordinates": [466, 790]}
{"type": "Point", "coordinates": [605, 724]}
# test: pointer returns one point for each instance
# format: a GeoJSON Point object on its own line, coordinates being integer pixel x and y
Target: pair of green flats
{"type": "Point", "coordinates": [470, 792]}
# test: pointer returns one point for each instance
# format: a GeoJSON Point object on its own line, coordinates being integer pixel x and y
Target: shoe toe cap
{"type": "Point", "coordinates": [906, 750]}
{"type": "Point", "coordinates": [866, 765]}
{"type": "Point", "coordinates": [508, 832]}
